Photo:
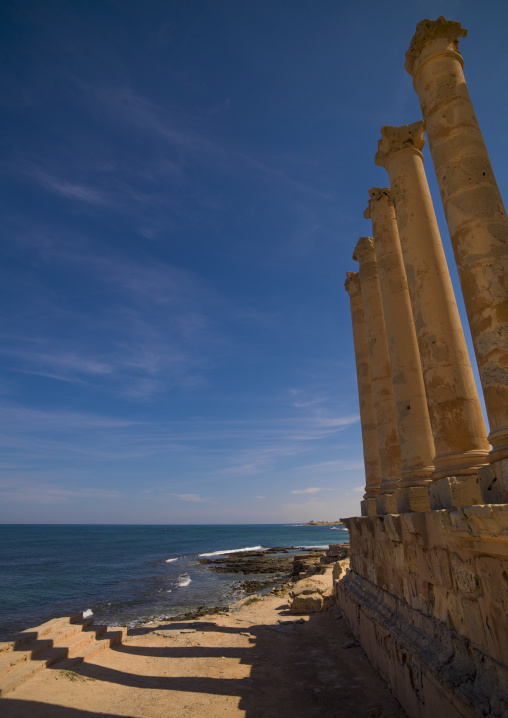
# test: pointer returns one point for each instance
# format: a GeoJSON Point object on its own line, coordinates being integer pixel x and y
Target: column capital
{"type": "Point", "coordinates": [397, 139]}
{"type": "Point", "coordinates": [352, 283]}
{"type": "Point", "coordinates": [364, 247]}
{"type": "Point", "coordinates": [376, 194]}
{"type": "Point", "coordinates": [442, 33]}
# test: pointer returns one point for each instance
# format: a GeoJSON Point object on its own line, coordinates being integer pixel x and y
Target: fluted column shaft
{"type": "Point", "coordinates": [367, 413]}
{"type": "Point", "coordinates": [473, 207]}
{"type": "Point", "coordinates": [415, 432]}
{"type": "Point", "coordinates": [381, 379]}
{"type": "Point", "coordinates": [458, 428]}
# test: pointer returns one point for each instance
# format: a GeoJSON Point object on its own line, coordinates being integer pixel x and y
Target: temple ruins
{"type": "Point", "coordinates": [427, 592]}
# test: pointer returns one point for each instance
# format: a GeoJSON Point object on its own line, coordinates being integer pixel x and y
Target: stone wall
{"type": "Point", "coordinates": [427, 597]}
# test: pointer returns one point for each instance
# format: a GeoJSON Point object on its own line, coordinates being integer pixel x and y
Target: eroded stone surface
{"type": "Point", "coordinates": [473, 206]}
{"type": "Point", "coordinates": [363, 375]}
{"type": "Point", "coordinates": [455, 414]}
{"type": "Point", "coordinates": [380, 371]}
{"type": "Point", "coordinates": [307, 603]}
{"type": "Point", "coordinates": [428, 31]}
{"type": "Point", "coordinates": [415, 432]}
{"type": "Point", "coordinates": [427, 596]}
{"type": "Point", "coordinates": [493, 482]}
{"type": "Point", "coordinates": [450, 492]}
{"type": "Point", "coordinates": [431, 560]}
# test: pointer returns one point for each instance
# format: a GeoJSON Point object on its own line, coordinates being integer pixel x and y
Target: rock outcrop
{"type": "Point", "coordinates": [313, 593]}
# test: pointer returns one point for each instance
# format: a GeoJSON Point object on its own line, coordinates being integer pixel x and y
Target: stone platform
{"type": "Point", "coordinates": [427, 597]}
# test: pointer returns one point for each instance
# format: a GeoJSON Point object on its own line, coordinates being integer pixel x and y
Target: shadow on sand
{"type": "Point", "coordinates": [296, 670]}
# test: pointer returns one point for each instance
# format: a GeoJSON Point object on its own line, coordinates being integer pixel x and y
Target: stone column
{"type": "Point", "coordinates": [415, 433]}
{"type": "Point", "coordinates": [457, 423]}
{"type": "Point", "coordinates": [473, 206]}
{"type": "Point", "coordinates": [381, 377]}
{"type": "Point", "coordinates": [367, 413]}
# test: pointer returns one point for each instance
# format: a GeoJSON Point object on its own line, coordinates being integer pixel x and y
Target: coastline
{"type": "Point", "coordinates": [254, 659]}
{"type": "Point", "coordinates": [282, 573]}
{"type": "Point", "coordinates": [129, 574]}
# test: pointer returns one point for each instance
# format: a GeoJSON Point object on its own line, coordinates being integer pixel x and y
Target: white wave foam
{"type": "Point", "coordinates": [232, 550]}
{"type": "Point", "coordinates": [319, 548]}
{"type": "Point", "coordinates": [87, 613]}
{"type": "Point", "coordinates": [184, 580]}
{"type": "Point", "coordinates": [171, 560]}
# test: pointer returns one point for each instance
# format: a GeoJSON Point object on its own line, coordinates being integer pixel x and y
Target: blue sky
{"type": "Point", "coordinates": [183, 184]}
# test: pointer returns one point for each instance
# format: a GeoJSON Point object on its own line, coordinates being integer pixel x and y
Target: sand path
{"type": "Point", "coordinates": [244, 663]}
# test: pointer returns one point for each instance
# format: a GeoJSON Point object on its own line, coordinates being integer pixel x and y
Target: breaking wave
{"type": "Point", "coordinates": [232, 550]}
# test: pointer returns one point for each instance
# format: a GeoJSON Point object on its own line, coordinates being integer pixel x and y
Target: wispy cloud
{"type": "Point", "coordinates": [282, 176]}
{"type": "Point", "coordinates": [211, 449]}
{"type": "Point", "coordinates": [310, 490]}
{"type": "Point", "coordinates": [67, 189]}
{"type": "Point", "coordinates": [167, 144]}
{"type": "Point", "coordinates": [31, 492]}
{"type": "Point", "coordinates": [150, 332]}
{"type": "Point", "coordinates": [303, 399]}
{"type": "Point", "coordinates": [188, 133]}
{"type": "Point", "coordinates": [68, 363]}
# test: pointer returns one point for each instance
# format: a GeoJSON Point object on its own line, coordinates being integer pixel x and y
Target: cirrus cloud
{"type": "Point", "coordinates": [310, 490]}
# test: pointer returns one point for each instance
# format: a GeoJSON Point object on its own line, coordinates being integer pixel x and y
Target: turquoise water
{"type": "Point", "coordinates": [127, 574]}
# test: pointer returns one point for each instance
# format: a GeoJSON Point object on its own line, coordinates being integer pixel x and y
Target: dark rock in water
{"type": "Point", "coordinates": [250, 564]}
{"type": "Point", "coordinates": [276, 549]}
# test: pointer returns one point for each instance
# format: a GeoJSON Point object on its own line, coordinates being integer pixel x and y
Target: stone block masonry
{"type": "Point", "coordinates": [427, 597]}
{"type": "Point", "coordinates": [427, 590]}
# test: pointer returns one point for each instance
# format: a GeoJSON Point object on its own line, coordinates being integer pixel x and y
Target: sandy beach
{"type": "Point", "coordinates": [255, 660]}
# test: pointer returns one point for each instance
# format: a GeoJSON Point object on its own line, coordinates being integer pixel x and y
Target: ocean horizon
{"type": "Point", "coordinates": [128, 574]}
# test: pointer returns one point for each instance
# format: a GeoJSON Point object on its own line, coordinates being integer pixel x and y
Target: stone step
{"type": "Point", "coordinates": [38, 632]}
{"type": "Point", "coordinates": [23, 671]}
{"type": "Point", "coordinates": [23, 649]}
{"type": "Point", "coordinates": [65, 632]}
{"type": "Point", "coordinates": [76, 645]}
{"type": "Point", "coordinates": [109, 638]}
{"type": "Point", "coordinates": [8, 659]}
{"type": "Point", "coordinates": [69, 650]}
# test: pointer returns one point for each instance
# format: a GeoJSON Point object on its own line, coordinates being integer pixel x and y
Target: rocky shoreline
{"type": "Point", "coordinates": [281, 571]}
{"type": "Point", "coordinates": [285, 653]}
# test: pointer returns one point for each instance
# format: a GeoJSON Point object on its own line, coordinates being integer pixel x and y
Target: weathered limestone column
{"type": "Point", "coordinates": [381, 377]}
{"type": "Point", "coordinates": [457, 423]}
{"type": "Point", "coordinates": [473, 206]}
{"type": "Point", "coordinates": [415, 432]}
{"type": "Point", "coordinates": [367, 413]}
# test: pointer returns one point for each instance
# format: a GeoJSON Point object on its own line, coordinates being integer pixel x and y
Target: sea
{"type": "Point", "coordinates": [130, 575]}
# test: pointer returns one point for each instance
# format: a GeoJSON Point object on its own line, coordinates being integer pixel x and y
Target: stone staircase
{"type": "Point", "coordinates": [61, 642]}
